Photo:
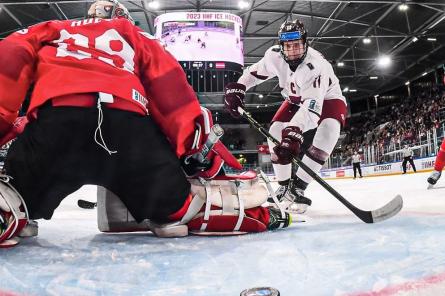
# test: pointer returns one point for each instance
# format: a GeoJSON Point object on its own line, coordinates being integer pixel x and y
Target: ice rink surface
{"type": "Point", "coordinates": [333, 253]}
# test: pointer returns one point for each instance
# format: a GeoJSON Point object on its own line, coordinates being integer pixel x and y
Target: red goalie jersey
{"type": "Point", "coordinates": [120, 59]}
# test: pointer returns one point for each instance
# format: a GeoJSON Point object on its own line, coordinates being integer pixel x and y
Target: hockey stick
{"type": "Point", "coordinates": [84, 204]}
{"type": "Point", "coordinates": [380, 214]}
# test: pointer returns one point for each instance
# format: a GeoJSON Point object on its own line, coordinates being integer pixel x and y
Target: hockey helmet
{"type": "Point", "coordinates": [293, 31]}
{"type": "Point", "coordinates": [109, 9]}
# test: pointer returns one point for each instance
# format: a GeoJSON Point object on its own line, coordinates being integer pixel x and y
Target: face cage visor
{"type": "Point", "coordinates": [111, 11]}
{"type": "Point", "coordinates": [292, 36]}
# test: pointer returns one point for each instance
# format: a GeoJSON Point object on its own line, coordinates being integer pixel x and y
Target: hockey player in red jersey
{"type": "Point", "coordinates": [439, 164]}
{"type": "Point", "coordinates": [109, 107]}
{"type": "Point", "coordinates": [313, 104]}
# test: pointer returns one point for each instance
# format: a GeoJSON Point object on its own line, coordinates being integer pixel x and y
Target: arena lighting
{"type": "Point", "coordinates": [384, 61]}
{"type": "Point", "coordinates": [424, 73]}
{"type": "Point", "coordinates": [431, 39]}
{"type": "Point", "coordinates": [407, 83]}
{"type": "Point", "coordinates": [403, 7]}
{"type": "Point", "coordinates": [340, 64]}
{"type": "Point", "coordinates": [367, 40]}
{"type": "Point", "coordinates": [154, 4]}
{"type": "Point", "coordinates": [260, 96]}
{"type": "Point", "coordinates": [352, 90]}
{"type": "Point", "coordinates": [373, 77]}
{"type": "Point", "coordinates": [346, 89]}
{"type": "Point", "coordinates": [243, 4]}
{"type": "Point", "coordinates": [414, 39]}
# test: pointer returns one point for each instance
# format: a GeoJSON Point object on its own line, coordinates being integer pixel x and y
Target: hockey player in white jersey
{"type": "Point", "coordinates": [313, 100]}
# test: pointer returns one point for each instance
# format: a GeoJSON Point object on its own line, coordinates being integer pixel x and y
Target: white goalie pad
{"type": "Point", "coordinates": [225, 193]}
{"type": "Point", "coordinates": [113, 216]}
{"type": "Point", "coordinates": [227, 196]}
{"type": "Point", "coordinates": [13, 212]}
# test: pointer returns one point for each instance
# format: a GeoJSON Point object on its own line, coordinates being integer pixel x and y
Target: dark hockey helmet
{"type": "Point", "coordinates": [292, 31]}
{"type": "Point", "coordinates": [109, 9]}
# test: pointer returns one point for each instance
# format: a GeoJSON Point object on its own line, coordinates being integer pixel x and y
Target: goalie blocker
{"type": "Point", "coordinates": [225, 205]}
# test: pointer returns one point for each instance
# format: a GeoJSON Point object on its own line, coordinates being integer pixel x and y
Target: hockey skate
{"type": "Point", "coordinates": [279, 193]}
{"type": "Point", "coordinates": [276, 220]}
{"type": "Point", "coordinates": [30, 230]}
{"type": "Point", "coordinates": [294, 201]}
{"type": "Point", "coordinates": [433, 178]}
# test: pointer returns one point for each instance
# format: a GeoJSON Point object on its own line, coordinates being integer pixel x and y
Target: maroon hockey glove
{"type": "Point", "coordinates": [292, 138]}
{"type": "Point", "coordinates": [16, 129]}
{"type": "Point", "coordinates": [234, 97]}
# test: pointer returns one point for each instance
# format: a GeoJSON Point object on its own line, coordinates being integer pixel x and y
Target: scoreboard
{"type": "Point", "coordinates": [208, 46]}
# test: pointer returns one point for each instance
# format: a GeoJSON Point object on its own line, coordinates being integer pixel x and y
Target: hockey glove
{"type": "Point", "coordinates": [16, 129]}
{"type": "Point", "coordinates": [234, 94]}
{"type": "Point", "coordinates": [292, 138]}
{"type": "Point", "coordinates": [214, 160]}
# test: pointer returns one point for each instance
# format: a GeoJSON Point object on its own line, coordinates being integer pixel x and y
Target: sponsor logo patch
{"type": "Point", "coordinates": [140, 99]}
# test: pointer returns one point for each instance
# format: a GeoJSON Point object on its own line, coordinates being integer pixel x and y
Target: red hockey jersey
{"type": "Point", "coordinates": [97, 55]}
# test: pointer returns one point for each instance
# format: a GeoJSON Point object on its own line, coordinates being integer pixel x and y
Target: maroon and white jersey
{"type": "Point", "coordinates": [97, 55]}
{"type": "Point", "coordinates": [309, 86]}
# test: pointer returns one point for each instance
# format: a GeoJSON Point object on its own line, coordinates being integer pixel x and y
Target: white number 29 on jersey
{"type": "Point", "coordinates": [121, 54]}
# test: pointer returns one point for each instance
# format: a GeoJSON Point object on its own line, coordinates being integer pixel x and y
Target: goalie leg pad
{"type": "Point", "coordinates": [13, 213]}
{"type": "Point", "coordinates": [113, 216]}
{"type": "Point", "coordinates": [221, 206]}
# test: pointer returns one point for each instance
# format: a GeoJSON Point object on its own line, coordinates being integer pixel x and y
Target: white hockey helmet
{"type": "Point", "coordinates": [109, 9]}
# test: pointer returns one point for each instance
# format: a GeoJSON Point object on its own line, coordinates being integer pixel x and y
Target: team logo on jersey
{"type": "Point", "coordinates": [314, 106]}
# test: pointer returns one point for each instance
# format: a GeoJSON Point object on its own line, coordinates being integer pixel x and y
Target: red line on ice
{"type": "Point", "coordinates": [405, 287]}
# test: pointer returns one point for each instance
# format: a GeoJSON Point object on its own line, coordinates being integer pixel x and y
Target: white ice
{"type": "Point", "coordinates": [334, 253]}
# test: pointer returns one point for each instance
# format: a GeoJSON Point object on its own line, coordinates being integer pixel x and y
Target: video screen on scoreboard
{"type": "Point", "coordinates": [201, 36]}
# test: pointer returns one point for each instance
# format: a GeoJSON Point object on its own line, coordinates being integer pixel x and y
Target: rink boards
{"type": "Point", "coordinates": [393, 168]}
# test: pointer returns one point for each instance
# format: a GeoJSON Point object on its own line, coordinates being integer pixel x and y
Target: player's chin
{"type": "Point", "coordinates": [294, 57]}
